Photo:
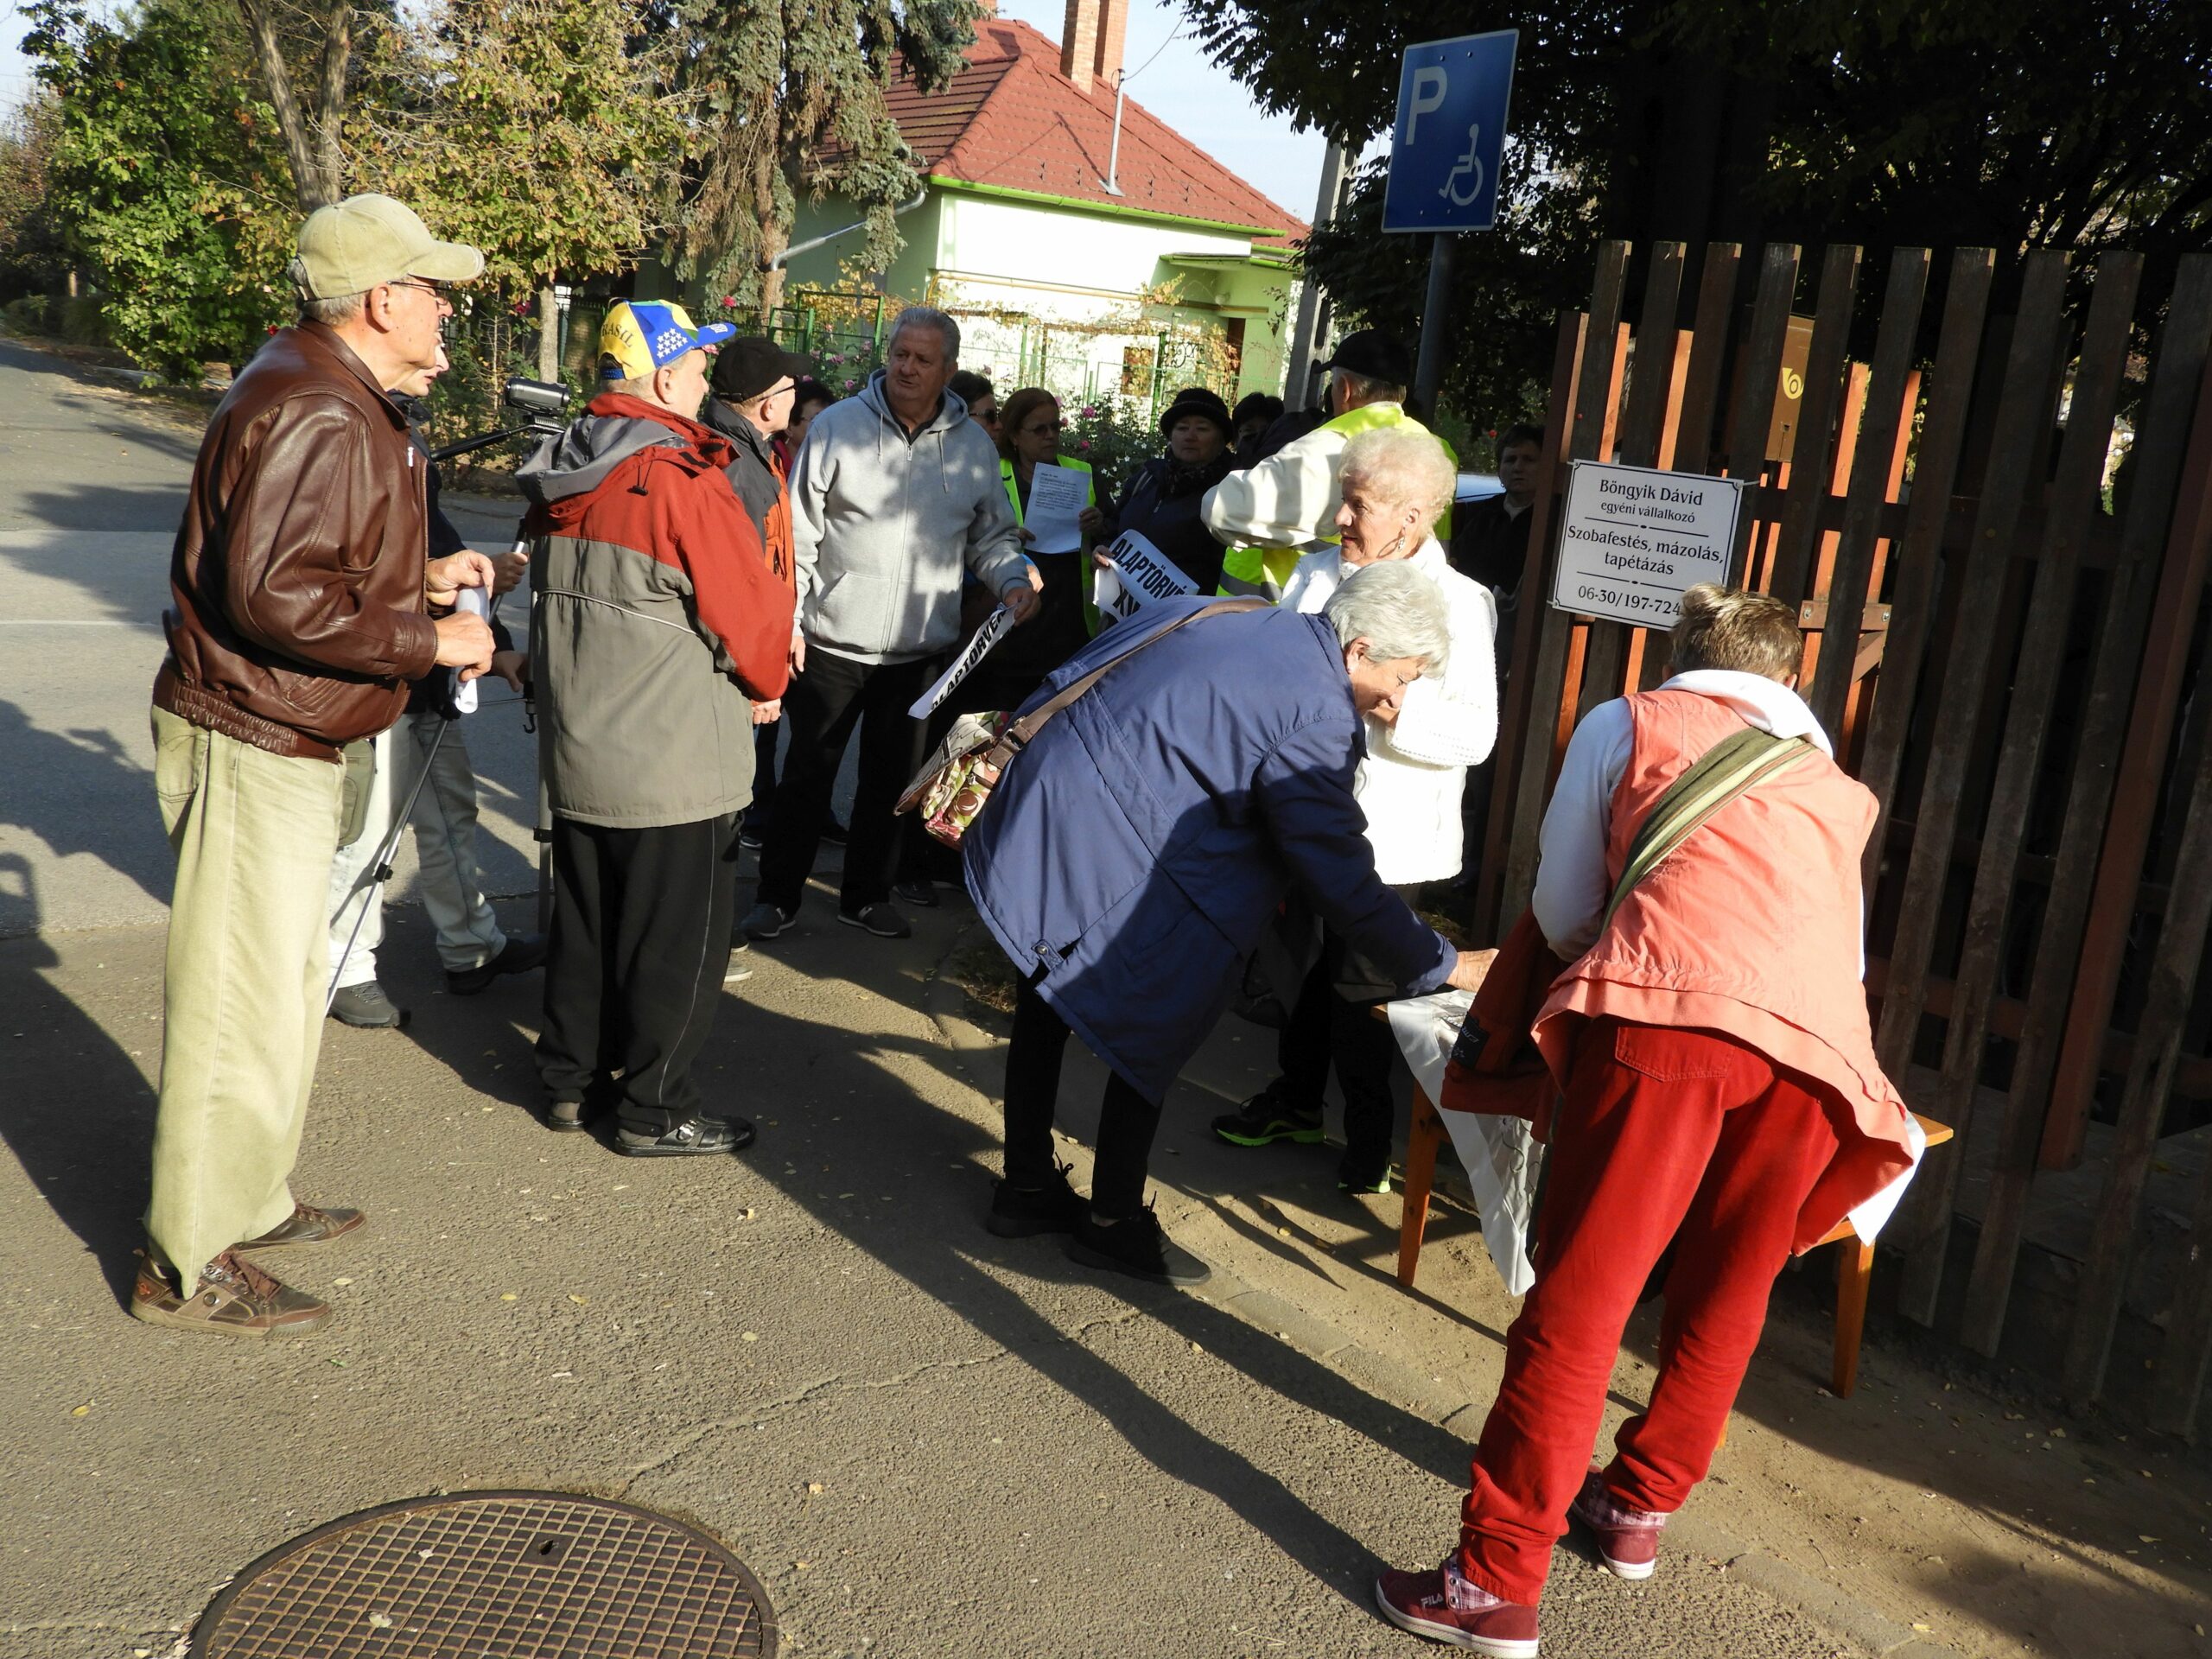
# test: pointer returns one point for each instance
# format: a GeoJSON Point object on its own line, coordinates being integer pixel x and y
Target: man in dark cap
{"type": "Point", "coordinates": [1274, 513]}
{"type": "Point", "coordinates": [754, 385]}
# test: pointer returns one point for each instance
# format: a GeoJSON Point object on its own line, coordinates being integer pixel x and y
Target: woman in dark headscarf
{"type": "Point", "coordinates": [1162, 502]}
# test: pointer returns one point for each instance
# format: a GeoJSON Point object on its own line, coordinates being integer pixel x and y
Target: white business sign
{"type": "Point", "coordinates": [1634, 540]}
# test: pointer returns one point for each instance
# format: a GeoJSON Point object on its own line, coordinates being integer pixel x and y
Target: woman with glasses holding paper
{"type": "Point", "coordinates": [1048, 491]}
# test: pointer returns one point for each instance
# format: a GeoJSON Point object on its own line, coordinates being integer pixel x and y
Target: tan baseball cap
{"type": "Point", "coordinates": [351, 246]}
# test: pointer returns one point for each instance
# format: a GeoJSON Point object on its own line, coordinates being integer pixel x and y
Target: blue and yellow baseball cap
{"type": "Point", "coordinates": [642, 335]}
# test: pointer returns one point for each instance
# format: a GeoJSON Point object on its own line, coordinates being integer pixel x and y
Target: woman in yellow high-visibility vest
{"type": "Point", "coordinates": [1029, 437]}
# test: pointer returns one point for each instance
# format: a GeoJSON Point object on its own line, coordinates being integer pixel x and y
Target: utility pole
{"type": "Point", "coordinates": [549, 334]}
{"type": "Point", "coordinates": [1306, 334]}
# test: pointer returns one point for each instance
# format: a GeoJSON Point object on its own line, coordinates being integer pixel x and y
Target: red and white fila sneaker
{"type": "Point", "coordinates": [1445, 1607]}
{"type": "Point", "coordinates": [1628, 1540]}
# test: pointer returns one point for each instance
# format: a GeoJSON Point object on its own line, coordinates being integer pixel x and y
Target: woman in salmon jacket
{"type": "Point", "coordinates": [1711, 1043]}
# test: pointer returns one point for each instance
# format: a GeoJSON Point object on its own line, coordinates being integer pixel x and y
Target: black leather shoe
{"type": "Point", "coordinates": [921, 894]}
{"type": "Point", "coordinates": [519, 955]}
{"type": "Point", "coordinates": [693, 1137]}
{"type": "Point", "coordinates": [742, 1133]}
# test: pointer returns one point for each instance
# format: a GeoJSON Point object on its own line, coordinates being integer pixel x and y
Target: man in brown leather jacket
{"type": "Point", "coordinates": [301, 603]}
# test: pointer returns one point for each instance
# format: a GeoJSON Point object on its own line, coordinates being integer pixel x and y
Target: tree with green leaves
{"type": "Point", "coordinates": [2009, 123]}
{"type": "Point", "coordinates": [791, 105]}
{"type": "Point", "coordinates": [34, 255]}
{"type": "Point", "coordinates": [529, 127]}
{"type": "Point", "coordinates": [164, 174]}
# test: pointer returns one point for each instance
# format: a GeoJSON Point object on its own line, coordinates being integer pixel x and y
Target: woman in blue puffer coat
{"type": "Point", "coordinates": [1136, 851]}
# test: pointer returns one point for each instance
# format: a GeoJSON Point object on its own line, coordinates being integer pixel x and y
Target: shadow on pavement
{"type": "Point", "coordinates": [879, 1137]}
{"type": "Point", "coordinates": [78, 1115]}
{"type": "Point", "coordinates": [107, 507]}
{"type": "Point", "coordinates": [90, 798]}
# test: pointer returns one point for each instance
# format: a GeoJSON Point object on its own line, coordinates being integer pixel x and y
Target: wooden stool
{"type": "Point", "coordinates": [1854, 1268]}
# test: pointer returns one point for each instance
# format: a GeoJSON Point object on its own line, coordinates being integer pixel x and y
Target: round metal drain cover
{"type": "Point", "coordinates": [493, 1575]}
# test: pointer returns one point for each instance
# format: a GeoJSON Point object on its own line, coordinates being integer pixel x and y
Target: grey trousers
{"type": "Point", "coordinates": [447, 882]}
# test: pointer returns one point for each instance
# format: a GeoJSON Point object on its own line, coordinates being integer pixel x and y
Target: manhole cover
{"type": "Point", "coordinates": [493, 1575]}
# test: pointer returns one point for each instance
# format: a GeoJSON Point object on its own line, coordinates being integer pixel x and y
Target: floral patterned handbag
{"type": "Point", "coordinates": [957, 783]}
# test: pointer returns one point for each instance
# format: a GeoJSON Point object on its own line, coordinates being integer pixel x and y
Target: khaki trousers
{"type": "Point", "coordinates": [254, 835]}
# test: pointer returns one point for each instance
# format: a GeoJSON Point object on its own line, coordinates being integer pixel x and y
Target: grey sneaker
{"type": "Point", "coordinates": [366, 1006]}
{"type": "Point", "coordinates": [879, 919]}
{"type": "Point", "coordinates": [764, 921]}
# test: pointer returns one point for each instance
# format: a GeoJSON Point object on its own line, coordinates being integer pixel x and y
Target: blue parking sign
{"type": "Point", "coordinates": [1449, 134]}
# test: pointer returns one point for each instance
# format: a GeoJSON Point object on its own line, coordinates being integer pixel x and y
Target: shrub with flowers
{"type": "Point", "coordinates": [1115, 434]}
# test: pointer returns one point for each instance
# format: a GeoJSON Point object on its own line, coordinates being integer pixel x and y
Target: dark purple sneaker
{"type": "Point", "coordinates": [1444, 1606]}
{"type": "Point", "coordinates": [1628, 1540]}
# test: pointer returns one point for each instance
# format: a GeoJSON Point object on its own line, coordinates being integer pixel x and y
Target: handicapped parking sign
{"type": "Point", "coordinates": [1449, 134]}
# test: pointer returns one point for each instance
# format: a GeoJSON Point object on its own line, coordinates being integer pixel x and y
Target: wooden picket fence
{"type": "Point", "coordinates": [2008, 661]}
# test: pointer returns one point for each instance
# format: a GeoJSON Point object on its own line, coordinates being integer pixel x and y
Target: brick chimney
{"type": "Point", "coordinates": [1113, 29]}
{"type": "Point", "coordinates": [1079, 43]}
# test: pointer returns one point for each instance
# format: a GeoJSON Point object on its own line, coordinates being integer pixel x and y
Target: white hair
{"type": "Point", "coordinates": [1366, 389]}
{"type": "Point", "coordinates": [927, 316]}
{"type": "Point", "coordinates": [1397, 610]}
{"type": "Point", "coordinates": [1404, 467]}
{"type": "Point", "coordinates": [336, 311]}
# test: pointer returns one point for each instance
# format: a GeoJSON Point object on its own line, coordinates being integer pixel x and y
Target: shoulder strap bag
{"type": "Point", "coordinates": [957, 783]}
{"type": "Point", "coordinates": [1495, 1067]}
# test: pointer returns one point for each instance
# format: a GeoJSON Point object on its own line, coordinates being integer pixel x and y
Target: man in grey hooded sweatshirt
{"type": "Point", "coordinates": [894, 494]}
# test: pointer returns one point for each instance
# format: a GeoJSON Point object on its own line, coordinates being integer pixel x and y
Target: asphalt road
{"type": "Point", "coordinates": [926, 1441]}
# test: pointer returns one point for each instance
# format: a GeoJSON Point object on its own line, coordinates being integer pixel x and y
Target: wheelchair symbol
{"type": "Point", "coordinates": [1467, 165]}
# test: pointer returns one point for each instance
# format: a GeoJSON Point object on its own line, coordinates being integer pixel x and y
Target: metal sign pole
{"type": "Point", "coordinates": [1436, 322]}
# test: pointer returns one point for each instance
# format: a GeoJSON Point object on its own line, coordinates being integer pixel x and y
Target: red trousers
{"type": "Point", "coordinates": [1663, 1135]}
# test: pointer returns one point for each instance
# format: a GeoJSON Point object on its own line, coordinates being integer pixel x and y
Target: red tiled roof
{"type": "Point", "coordinates": [1010, 120]}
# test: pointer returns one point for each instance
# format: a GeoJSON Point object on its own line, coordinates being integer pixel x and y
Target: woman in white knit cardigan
{"type": "Point", "coordinates": [1397, 481]}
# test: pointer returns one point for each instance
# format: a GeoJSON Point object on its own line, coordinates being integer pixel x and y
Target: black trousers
{"type": "Point", "coordinates": [1127, 1121]}
{"type": "Point", "coordinates": [633, 971]}
{"type": "Point", "coordinates": [1334, 1023]}
{"type": "Point", "coordinates": [823, 705]}
{"type": "Point", "coordinates": [764, 772]}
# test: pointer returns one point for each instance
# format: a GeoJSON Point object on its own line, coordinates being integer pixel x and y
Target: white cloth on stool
{"type": "Point", "coordinates": [1499, 1154]}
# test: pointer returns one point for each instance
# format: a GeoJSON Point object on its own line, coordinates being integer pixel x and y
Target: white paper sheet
{"type": "Point", "coordinates": [1057, 494]}
{"type": "Point", "coordinates": [994, 630]}
{"type": "Point", "coordinates": [1499, 1154]}
{"type": "Point", "coordinates": [477, 602]}
{"type": "Point", "coordinates": [1868, 1219]}
{"type": "Point", "coordinates": [1137, 575]}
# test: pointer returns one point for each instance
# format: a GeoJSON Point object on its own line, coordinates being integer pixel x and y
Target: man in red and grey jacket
{"type": "Point", "coordinates": [657, 624]}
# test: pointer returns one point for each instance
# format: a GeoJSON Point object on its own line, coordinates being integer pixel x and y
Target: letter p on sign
{"type": "Point", "coordinates": [1430, 86]}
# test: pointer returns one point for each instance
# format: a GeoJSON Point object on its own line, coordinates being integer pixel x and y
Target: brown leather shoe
{"type": "Point", "coordinates": [305, 1225]}
{"type": "Point", "coordinates": [233, 1298]}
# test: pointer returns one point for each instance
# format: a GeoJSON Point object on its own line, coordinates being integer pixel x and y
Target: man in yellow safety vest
{"type": "Point", "coordinates": [1274, 512]}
